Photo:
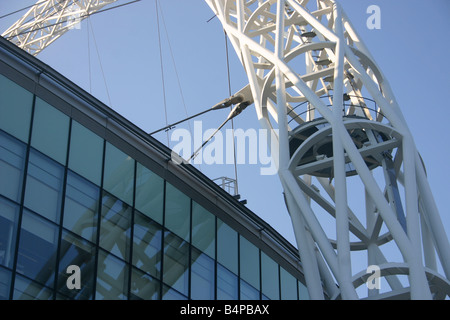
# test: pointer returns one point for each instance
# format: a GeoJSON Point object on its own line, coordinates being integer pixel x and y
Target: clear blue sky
{"type": "Point", "coordinates": [412, 48]}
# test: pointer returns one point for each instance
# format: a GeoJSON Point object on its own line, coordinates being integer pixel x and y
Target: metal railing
{"type": "Point", "coordinates": [345, 107]}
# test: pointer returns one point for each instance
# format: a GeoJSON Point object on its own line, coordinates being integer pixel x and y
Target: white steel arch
{"type": "Point", "coordinates": [316, 87]}
{"type": "Point", "coordinates": [318, 90]}
{"type": "Point", "coordinates": [47, 20]}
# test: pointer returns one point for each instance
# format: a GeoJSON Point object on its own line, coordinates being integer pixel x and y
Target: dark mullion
{"type": "Point", "coordinates": [163, 231]}
{"type": "Point", "coordinates": [215, 258]}
{"type": "Point", "coordinates": [99, 213]}
{"type": "Point", "coordinates": [189, 266]}
{"type": "Point", "coordinates": [260, 275]}
{"type": "Point", "coordinates": [239, 264]}
{"type": "Point", "coordinates": [133, 211]}
{"type": "Point", "coordinates": [61, 215]}
{"type": "Point", "coordinates": [22, 199]}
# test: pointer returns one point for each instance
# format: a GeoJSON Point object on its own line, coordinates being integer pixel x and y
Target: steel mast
{"type": "Point", "coordinates": [316, 87]}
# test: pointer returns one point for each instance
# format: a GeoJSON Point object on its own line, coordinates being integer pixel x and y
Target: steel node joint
{"type": "Point", "coordinates": [228, 102]}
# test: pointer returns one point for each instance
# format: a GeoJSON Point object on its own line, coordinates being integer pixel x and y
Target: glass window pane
{"type": "Point", "coordinates": [15, 109]}
{"type": "Point", "coordinates": [147, 245]}
{"type": "Point", "coordinates": [203, 229]}
{"type": "Point", "coordinates": [5, 283]}
{"type": "Point", "coordinates": [202, 276]}
{"type": "Point", "coordinates": [248, 292]}
{"type": "Point", "coordinates": [115, 226]}
{"type": "Point", "coordinates": [270, 279]}
{"type": "Point", "coordinates": [112, 278]}
{"type": "Point", "coordinates": [25, 289]}
{"type": "Point", "coordinates": [288, 285]}
{"type": "Point", "coordinates": [178, 208]}
{"type": "Point", "coordinates": [227, 246]}
{"type": "Point", "coordinates": [119, 173]}
{"type": "Point", "coordinates": [44, 186]}
{"type": "Point", "coordinates": [9, 214]}
{"type": "Point", "coordinates": [227, 284]}
{"type": "Point", "coordinates": [12, 160]}
{"type": "Point", "coordinates": [249, 262]}
{"type": "Point", "coordinates": [149, 193]}
{"type": "Point", "coordinates": [171, 294]}
{"type": "Point", "coordinates": [37, 248]}
{"type": "Point", "coordinates": [86, 153]}
{"type": "Point", "coordinates": [143, 286]}
{"type": "Point", "coordinates": [81, 207]}
{"type": "Point", "coordinates": [79, 252]}
{"type": "Point", "coordinates": [50, 131]}
{"type": "Point", "coordinates": [176, 263]}
{"type": "Point", "coordinates": [302, 292]}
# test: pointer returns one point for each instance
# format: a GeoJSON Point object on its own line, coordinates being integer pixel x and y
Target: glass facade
{"type": "Point", "coordinates": [70, 197]}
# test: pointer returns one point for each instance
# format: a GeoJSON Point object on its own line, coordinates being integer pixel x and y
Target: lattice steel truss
{"type": "Point", "coordinates": [317, 88]}
{"type": "Point", "coordinates": [47, 20]}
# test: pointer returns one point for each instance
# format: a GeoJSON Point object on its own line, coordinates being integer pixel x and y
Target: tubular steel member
{"type": "Point", "coordinates": [316, 87]}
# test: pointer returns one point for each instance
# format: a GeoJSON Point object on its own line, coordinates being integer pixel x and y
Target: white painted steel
{"type": "Point", "coordinates": [304, 60]}
{"type": "Point", "coordinates": [47, 20]}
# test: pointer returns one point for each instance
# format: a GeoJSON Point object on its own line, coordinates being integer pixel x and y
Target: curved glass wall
{"type": "Point", "coordinates": [70, 198]}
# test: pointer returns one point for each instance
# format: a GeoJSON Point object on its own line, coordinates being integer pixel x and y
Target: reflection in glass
{"type": "Point", "coordinates": [270, 279]}
{"type": "Point", "coordinates": [37, 248]}
{"type": "Point", "coordinates": [203, 229]}
{"type": "Point", "coordinates": [76, 251]}
{"type": "Point", "coordinates": [119, 173]}
{"type": "Point", "coordinates": [50, 131]}
{"type": "Point", "coordinates": [25, 289]}
{"type": "Point", "coordinates": [176, 263]}
{"type": "Point", "coordinates": [12, 160]}
{"type": "Point", "coordinates": [149, 193]}
{"type": "Point", "coordinates": [147, 245]}
{"type": "Point", "coordinates": [249, 262]}
{"type": "Point", "coordinates": [143, 286]}
{"type": "Point", "coordinates": [15, 109]}
{"type": "Point", "coordinates": [170, 294]}
{"type": "Point", "coordinates": [81, 207]}
{"type": "Point", "coordinates": [5, 283]}
{"type": "Point", "coordinates": [178, 208]}
{"type": "Point", "coordinates": [227, 284]}
{"type": "Point", "coordinates": [202, 276]}
{"type": "Point", "coordinates": [302, 292]}
{"type": "Point", "coordinates": [86, 153]}
{"type": "Point", "coordinates": [115, 226]}
{"type": "Point", "coordinates": [288, 285]}
{"type": "Point", "coordinates": [227, 246]}
{"type": "Point", "coordinates": [44, 186]}
{"type": "Point", "coordinates": [248, 292]}
{"type": "Point", "coordinates": [9, 214]}
{"type": "Point", "coordinates": [112, 278]}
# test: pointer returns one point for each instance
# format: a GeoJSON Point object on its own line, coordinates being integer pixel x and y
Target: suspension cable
{"type": "Point", "coordinates": [162, 69]}
{"type": "Point", "coordinates": [100, 62]}
{"type": "Point", "coordinates": [232, 121]}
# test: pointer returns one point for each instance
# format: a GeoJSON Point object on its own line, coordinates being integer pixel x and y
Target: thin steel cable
{"type": "Point", "coordinates": [100, 63]}
{"type": "Point", "coordinates": [162, 69]}
{"type": "Point", "coordinates": [175, 68]}
{"type": "Point", "coordinates": [232, 121]}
